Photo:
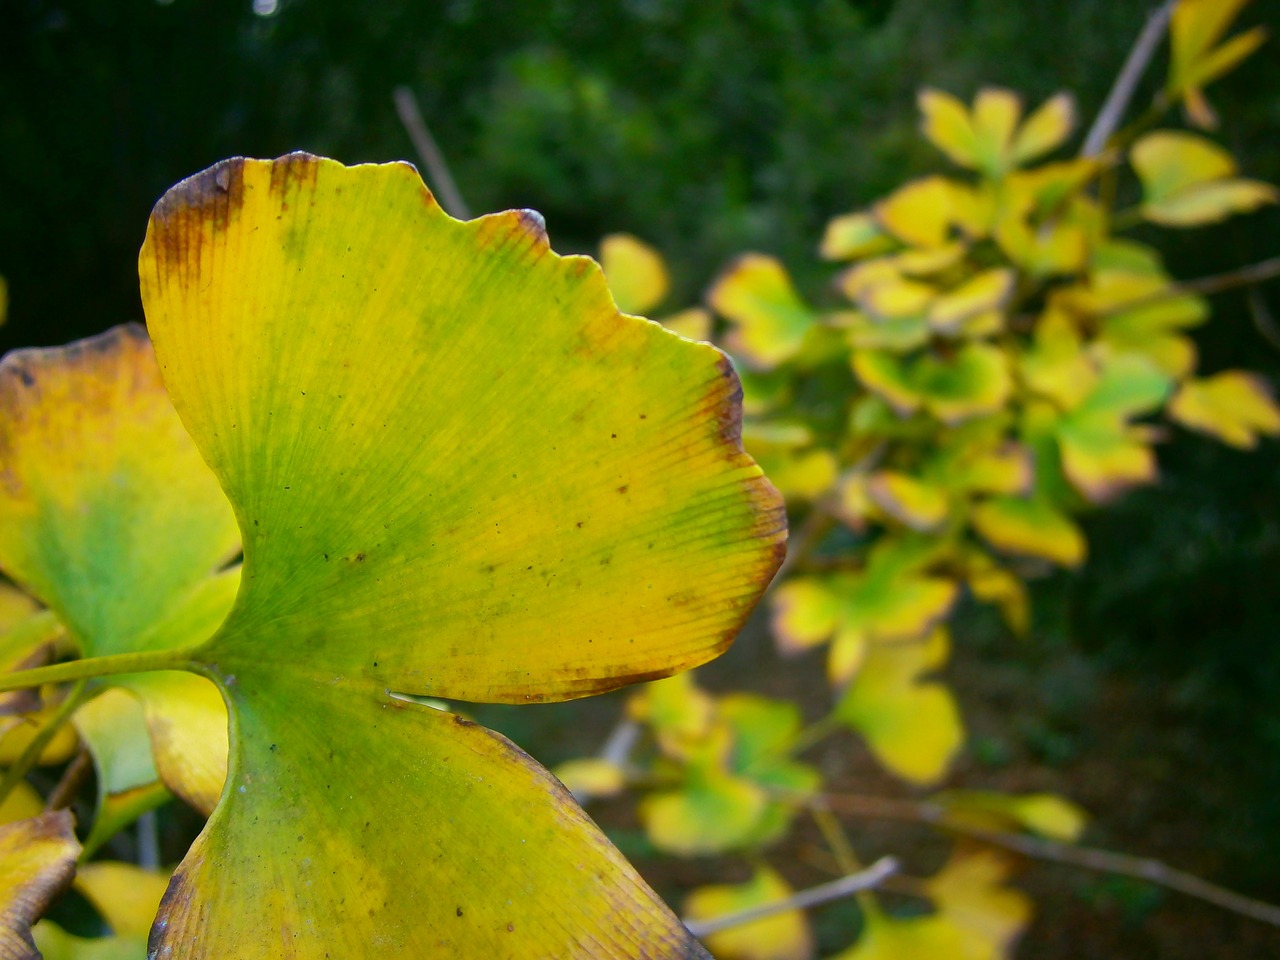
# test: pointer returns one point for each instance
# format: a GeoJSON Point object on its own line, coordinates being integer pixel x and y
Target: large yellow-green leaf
{"type": "Point", "coordinates": [768, 319]}
{"type": "Point", "coordinates": [781, 936]}
{"type": "Point", "coordinates": [1188, 180]}
{"type": "Point", "coordinates": [459, 472]}
{"type": "Point", "coordinates": [111, 517]}
{"type": "Point", "coordinates": [1235, 406]}
{"type": "Point", "coordinates": [37, 860]}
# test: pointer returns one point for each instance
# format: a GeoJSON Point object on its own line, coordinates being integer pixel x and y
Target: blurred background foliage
{"type": "Point", "coordinates": [707, 127]}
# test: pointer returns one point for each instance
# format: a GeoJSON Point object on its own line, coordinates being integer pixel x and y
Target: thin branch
{"type": "Point", "coordinates": [1089, 858]}
{"type": "Point", "coordinates": [617, 747]}
{"type": "Point", "coordinates": [73, 778]}
{"type": "Point", "coordinates": [1263, 321]}
{"type": "Point", "coordinates": [1126, 84]}
{"type": "Point", "coordinates": [429, 151]}
{"type": "Point", "coordinates": [31, 755]}
{"type": "Point", "coordinates": [148, 827]}
{"type": "Point", "coordinates": [813, 897]}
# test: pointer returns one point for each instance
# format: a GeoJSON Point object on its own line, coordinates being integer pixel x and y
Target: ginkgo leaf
{"type": "Point", "coordinates": [996, 112]}
{"type": "Point", "coordinates": [18, 732]}
{"type": "Point", "coordinates": [1188, 180]}
{"type": "Point", "coordinates": [764, 734]}
{"type": "Point", "coordinates": [459, 472]}
{"type": "Point", "coordinates": [896, 938]}
{"type": "Point", "coordinates": [780, 936]}
{"type": "Point", "coordinates": [919, 505]}
{"type": "Point", "coordinates": [981, 293]}
{"type": "Point", "coordinates": [944, 120]}
{"type": "Point", "coordinates": [911, 723]}
{"type": "Point", "coordinates": [125, 895]}
{"type": "Point", "coordinates": [969, 893]}
{"type": "Point", "coordinates": [806, 612]}
{"type": "Point", "coordinates": [991, 583]}
{"type": "Point", "coordinates": [591, 777]}
{"type": "Point", "coordinates": [74, 416]}
{"type": "Point", "coordinates": [918, 213]}
{"type": "Point", "coordinates": [853, 236]}
{"type": "Point", "coordinates": [693, 324]}
{"type": "Point", "coordinates": [1043, 813]}
{"type": "Point", "coordinates": [1047, 127]}
{"type": "Point", "coordinates": [790, 459]}
{"type": "Point", "coordinates": [23, 801]}
{"type": "Point", "coordinates": [1102, 453]}
{"type": "Point", "coordinates": [1194, 28]}
{"type": "Point", "coordinates": [714, 813]}
{"type": "Point", "coordinates": [635, 271]}
{"type": "Point", "coordinates": [56, 944]}
{"type": "Point", "coordinates": [768, 319]}
{"type": "Point", "coordinates": [677, 709]}
{"type": "Point", "coordinates": [37, 861]}
{"type": "Point", "coordinates": [1031, 527]}
{"type": "Point", "coordinates": [114, 729]}
{"type": "Point", "coordinates": [1235, 406]}
{"type": "Point", "coordinates": [111, 517]}
{"type": "Point", "coordinates": [972, 381]}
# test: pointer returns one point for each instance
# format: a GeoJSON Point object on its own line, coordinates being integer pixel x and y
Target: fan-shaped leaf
{"type": "Point", "coordinates": [459, 472]}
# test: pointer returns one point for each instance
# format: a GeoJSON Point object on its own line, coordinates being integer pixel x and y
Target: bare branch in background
{"type": "Point", "coordinates": [441, 180]}
{"type": "Point", "coordinates": [1037, 848]}
{"type": "Point", "coordinates": [1126, 84]}
{"type": "Point", "coordinates": [814, 896]}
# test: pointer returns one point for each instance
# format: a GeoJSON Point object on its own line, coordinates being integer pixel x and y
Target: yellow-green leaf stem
{"type": "Point", "coordinates": [91, 667]}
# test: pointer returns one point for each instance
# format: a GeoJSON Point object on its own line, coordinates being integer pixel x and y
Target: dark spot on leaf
{"type": "Point", "coordinates": [359, 558]}
{"type": "Point", "coordinates": [459, 911]}
{"type": "Point", "coordinates": [624, 488]}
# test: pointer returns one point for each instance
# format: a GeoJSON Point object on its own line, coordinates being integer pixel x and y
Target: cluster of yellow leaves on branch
{"type": "Point", "coordinates": [991, 364]}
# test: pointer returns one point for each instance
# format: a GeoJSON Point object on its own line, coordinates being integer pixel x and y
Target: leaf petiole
{"type": "Point", "coordinates": [143, 661]}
